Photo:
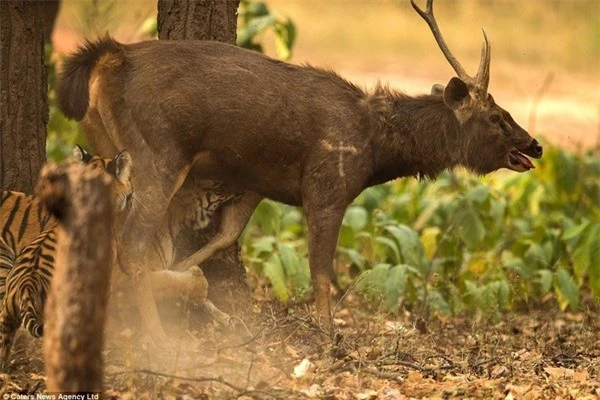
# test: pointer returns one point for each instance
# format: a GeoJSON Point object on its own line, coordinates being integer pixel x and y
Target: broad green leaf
{"type": "Point", "coordinates": [285, 36]}
{"type": "Point", "coordinates": [504, 293]}
{"type": "Point", "coordinates": [410, 245]}
{"type": "Point", "coordinates": [536, 255]}
{"type": "Point", "coordinates": [263, 244]}
{"type": "Point", "coordinates": [296, 269]}
{"type": "Point", "coordinates": [544, 278]}
{"type": "Point", "coordinates": [390, 245]}
{"type": "Point", "coordinates": [274, 270]}
{"type": "Point", "coordinates": [479, 194]}
{"type": "Point", "coordinates": [247, 33]}
{"type": "Point", "coordinates": [268, 216]}
{"type": "Point", "coordinates": [470, 226]}
{"type": "Point", "coordinates": [353, 256]}
{"type": "Point", "coordinates": [586, 255]}
{"type": "Point", "coordinates": [568, 288]}
{"type": "Point", "coordinates": [395, 285]}
{"type": "Point", "coordinates": [372, 284]}
{"type": "Point", "coordinates": [429, 238]}
{"type": "Point", "coordinates": [594, 270]}
{"type": "Point", "coordinates": [575, 230]}
{"type": "Point", "coordinates": [356, 217]}
{"type": "Point", "coordinates": [437, 302]}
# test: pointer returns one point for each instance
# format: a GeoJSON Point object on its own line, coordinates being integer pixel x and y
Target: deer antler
{"type": "Point", "coordinates": [480, 82]}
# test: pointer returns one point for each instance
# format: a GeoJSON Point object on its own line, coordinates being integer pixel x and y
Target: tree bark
{"type": "Point", "coordinates": [23, 94]}
{"type": "Point", "coordinates": [198, 19]}
{"type": "Point", "coordinates": [76, 307]}
{"type": "Point", "coordinates": [225, 272]}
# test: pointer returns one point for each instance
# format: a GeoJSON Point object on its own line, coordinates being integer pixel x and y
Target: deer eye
{"type": "Point", "coordinates": [495, 118]}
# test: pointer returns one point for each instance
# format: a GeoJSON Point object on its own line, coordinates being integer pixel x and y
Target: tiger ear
{"type": "Point", "coordinates": [124, 166]}
{"type": "Point", "coordinates": [80, 155]}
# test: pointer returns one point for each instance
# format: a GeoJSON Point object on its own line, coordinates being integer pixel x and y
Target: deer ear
{"type": "Point", "coordinates": [437, 89]}
{"type": "Point", "coordinates": [124, 166]}
{"type": "Point", "coordinates": [455, 93]}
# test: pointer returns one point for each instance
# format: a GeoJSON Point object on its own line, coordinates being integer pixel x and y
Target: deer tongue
{"type": "Point", "coordinates": [522, 159]}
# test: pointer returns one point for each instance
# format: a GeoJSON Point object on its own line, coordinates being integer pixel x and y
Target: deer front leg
{"type": "Point", "coordinates": [234, 218]}
{"type": "Point", "coordinates": [323, 230]}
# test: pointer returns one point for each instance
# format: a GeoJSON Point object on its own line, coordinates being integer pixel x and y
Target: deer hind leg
{"type": "Point", "coordinates": [234, 218]}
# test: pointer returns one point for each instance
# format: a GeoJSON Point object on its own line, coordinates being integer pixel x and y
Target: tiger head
{"type": "Point", "coordinates": [119, 169]}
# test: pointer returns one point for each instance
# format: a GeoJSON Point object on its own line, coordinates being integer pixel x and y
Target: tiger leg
{"type": "Point", "coordinates": [8, 327]}
{"type": "Point", "coordinates": [190, 285]}
{"type": "Point", "coordinates": [234, 219]}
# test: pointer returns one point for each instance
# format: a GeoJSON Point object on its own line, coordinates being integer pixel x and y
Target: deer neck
{"type": "Point", "coordinates": [414, 136]}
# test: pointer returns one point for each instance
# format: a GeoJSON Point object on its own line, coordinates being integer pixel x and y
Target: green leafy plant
{"type": "Point", "coordinates": [255, 19]}
{"type": "Point", "coordinates": [462, 243]}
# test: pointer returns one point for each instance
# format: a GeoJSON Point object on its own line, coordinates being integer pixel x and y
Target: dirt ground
{"type": "Point", "coordinates": [283, 355]}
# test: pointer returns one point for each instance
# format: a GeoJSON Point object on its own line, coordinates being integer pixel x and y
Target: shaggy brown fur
{"type": "Point", "coordinates": [296, 134]}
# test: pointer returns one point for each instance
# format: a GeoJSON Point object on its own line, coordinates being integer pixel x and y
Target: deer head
{"type": "Point", "coordinates": [495, 140]}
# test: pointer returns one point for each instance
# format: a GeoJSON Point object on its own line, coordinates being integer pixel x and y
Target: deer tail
{"type": "Point", "coordinates": [72, 89]}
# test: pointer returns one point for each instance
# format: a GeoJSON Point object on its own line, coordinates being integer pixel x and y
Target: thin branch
{"type": "Point", "coordinates": [276, 392]}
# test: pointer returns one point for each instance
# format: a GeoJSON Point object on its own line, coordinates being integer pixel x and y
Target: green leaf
{"type": "Point", "coordinates": [410, 245]}
{"type": "Point", "coordinates": [575, 230]}
{"type": "Point", "coordinates": [544, 279]}
{"type": "Point", "coordinates": [395, 284]}
{"type": "Point", "coordinates": [268, 216]}
{"type": "Point", "coordinates": [471, 228]}
{"type": "Point", "coordinates": [296, 268]}
{"type": "Point", "coordinates": [390, 245]}
{"type": "Point", "coordinates": [372, 283]}
{"type": "Point", "coordinates": [285, 36]}
{"type": "Point", "coordinates": [504, 293]}
{"type": "Point", "coordinates": [263, 244]}
{"type": "Point", "coordinates": [353, 256]}
{"type": "Point", "coordinates": [275, 272]}
{"type": "Point", "coordinates": [568, 288]}
{"type": "Point", "coordinates": [356, 218]}
{"type": "Point", "coordinates": [247, 33]}
{"type": "Point", "coordinates": [479, 194]}
{"type": "Point", "coordinates": [437, 302]}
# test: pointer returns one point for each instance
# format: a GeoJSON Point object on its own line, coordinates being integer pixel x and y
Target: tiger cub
{"type": "Point", "coordinates": [28, 244]}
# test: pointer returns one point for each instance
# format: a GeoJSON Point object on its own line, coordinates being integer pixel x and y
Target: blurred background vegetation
{"type": "Point", "coordinates": [460, 244]}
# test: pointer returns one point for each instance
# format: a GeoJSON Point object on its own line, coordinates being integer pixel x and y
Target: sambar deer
{"type": "Point", "coordinates": [295, 134]}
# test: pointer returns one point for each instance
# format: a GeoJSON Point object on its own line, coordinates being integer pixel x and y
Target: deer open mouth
{"type": "Point", "coordinates": [518, 161]}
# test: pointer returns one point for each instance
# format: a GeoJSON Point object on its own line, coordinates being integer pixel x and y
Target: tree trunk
{"type": "Point", "coordinates": [23, 94]}
{"type": "Point", "coordinates": [208, 20]}
{"type": "Point", "coordinates": [76, 306]}
{"type": "Point", "coordinates": [50, 10]}
{"type": "Point", "coordinates": [198, 19]}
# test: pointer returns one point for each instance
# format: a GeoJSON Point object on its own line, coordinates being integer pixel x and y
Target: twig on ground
{"type": "Point", "coordinates": [243, 344]}
{"type": "Point", "coordinates": [279, 393]}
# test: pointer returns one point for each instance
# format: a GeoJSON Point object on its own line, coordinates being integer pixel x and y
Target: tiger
{"type": "Point", "coordinates": [194, 207]}
{"type": "Point", "coordinates": [28, 245]}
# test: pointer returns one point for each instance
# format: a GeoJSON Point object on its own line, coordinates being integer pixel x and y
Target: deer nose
{"type": "Point", "coordinates": [535, 149]}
